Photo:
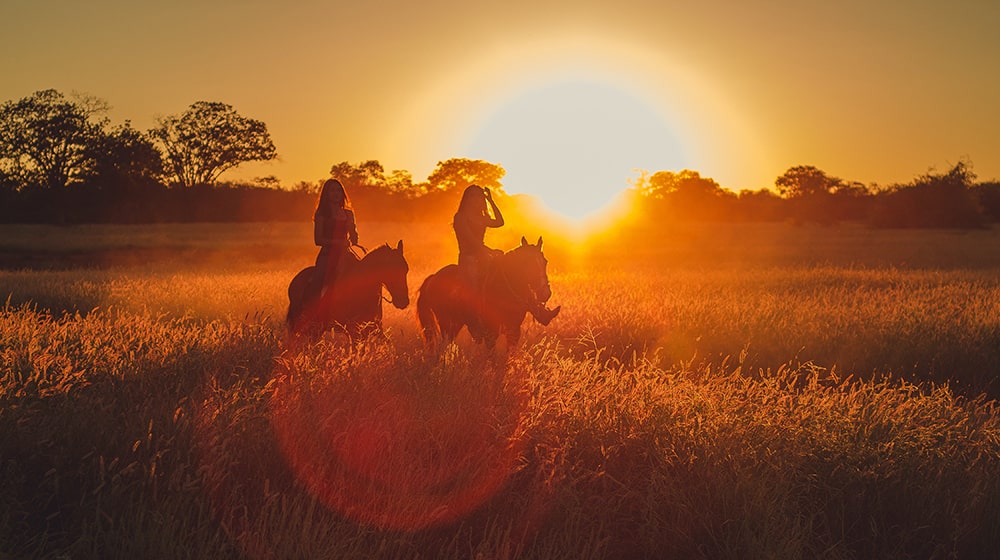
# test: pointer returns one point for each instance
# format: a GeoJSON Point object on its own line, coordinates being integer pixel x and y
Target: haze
{"type": "Point", "coordinates": [871, 92]}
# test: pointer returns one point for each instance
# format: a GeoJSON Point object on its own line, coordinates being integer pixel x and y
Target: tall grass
{"type": "Point", "coordinates": [766, 410]}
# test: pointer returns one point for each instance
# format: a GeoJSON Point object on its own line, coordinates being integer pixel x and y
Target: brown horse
{"type": "Point", "coordinates": [509, 286]}
{"type": "Point", "coordinates": [354, 303]}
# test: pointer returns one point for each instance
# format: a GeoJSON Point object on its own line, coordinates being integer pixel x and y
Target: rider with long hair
{"type": "Point", "coordinates": [477, 212]}
{"type": "Point", "coordinates": [334, 230]}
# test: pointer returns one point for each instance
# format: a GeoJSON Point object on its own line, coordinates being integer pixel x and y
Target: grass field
{"type": "Point", "coordinates": [736, 391]}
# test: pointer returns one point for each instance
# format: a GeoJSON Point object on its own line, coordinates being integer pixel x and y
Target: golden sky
{"type": "Point", "coordinates": [739, 91]}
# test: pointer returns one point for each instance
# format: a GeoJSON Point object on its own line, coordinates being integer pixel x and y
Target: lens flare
{"type": "Point", "coordinates": [387, 450]}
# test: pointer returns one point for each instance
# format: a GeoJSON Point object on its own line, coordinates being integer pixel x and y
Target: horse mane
{"type": "Point", "coordinates": [381, 255]}
{"type": "Point", "coordinates": [377, 250]}
{"type": "Point", "coordinates": [520, 249]}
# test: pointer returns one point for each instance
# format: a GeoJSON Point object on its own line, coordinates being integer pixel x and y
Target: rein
{"type": "Point", "coordinates": [381, 288]}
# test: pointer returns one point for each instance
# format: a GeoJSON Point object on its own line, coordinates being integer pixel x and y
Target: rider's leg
{"type": "Point", "coordinates": [319, 273]}
{"type": "Point", "coordinates": [332, 270]}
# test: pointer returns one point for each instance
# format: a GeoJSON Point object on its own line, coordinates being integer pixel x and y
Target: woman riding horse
{"type": "Point", "coordinates": [335, 231]}
{"type": "Point", "coordinates": [515, 284]}
{"type": "Point", "coordinates": [356, 302]}
{"type": "Point", "coordinates": [476, 212]}
{"type": "Point", "coordinates": [355, 307]}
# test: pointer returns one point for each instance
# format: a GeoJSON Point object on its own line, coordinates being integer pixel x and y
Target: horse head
{"type": "Point", "coordinates": [529, 266]}
{"type": "Point", "coordinates": [391, 267]}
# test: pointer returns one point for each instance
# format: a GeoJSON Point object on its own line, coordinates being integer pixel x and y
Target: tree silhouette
{"type": "Point", "coordinates": [455, 174]}
{"type": "Point", "coordinates": [814, 196]}
{"type": "Point", "coordinates": [760, 206]}
{"type": "Point", "coordinates": [988, 194]}
{"type": "Point", "coordinates": [44, 139]}
{"type": "Point", "coordinates": [356, 177]}
{"type": "Point", "coordinates": [122, 158]}
{"type": "Point", "coordinates": [209, 139]}
{"type": "Point", "coordinates": [684, 195]}
{"type": "Point", "coordinates": [805, 180]}
{"type": "Point", "coordinates": [686, 183]}
{"type": "Point", "coordinates": [945, 200]}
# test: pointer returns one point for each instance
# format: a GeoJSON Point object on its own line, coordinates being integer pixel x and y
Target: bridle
{"type": "Point", "coordinates": [364, 253]}
{"type": "Point", "coordinates": [513, 292]}
{"type": "Point", "coordinates": [381, 292]}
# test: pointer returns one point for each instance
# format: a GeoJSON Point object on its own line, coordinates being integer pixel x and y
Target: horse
{"type": "Point", "coordinates": [510, 285]}
{"type": "Point", "coordinates": [353, 304]}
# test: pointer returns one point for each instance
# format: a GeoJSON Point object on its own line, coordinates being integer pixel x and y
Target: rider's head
{"type": "Point", "coordinates": [473, 200]}
{"type": "Point", "coordinates": [333, 194]}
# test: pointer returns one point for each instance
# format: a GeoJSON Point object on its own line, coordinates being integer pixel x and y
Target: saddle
{"type": "Point", "coordinates": [345, 264]}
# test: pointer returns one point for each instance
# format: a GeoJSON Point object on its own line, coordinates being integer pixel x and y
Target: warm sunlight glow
{"type": "Point", "coordinates": [571, 115]}
{"type": "Point", "coordinates": [574, 143]}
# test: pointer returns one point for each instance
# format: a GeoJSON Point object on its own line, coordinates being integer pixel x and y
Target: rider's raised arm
{"type": "Point", "coordinates": [497, 220]}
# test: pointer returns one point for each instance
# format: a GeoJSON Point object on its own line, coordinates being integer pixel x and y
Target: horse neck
{"type": "Point", "coordinates": [507, 282]}
{"type": "Point", "coordinates": [378, 266]}
{"type": "Point", "coordinates": [372, 266]}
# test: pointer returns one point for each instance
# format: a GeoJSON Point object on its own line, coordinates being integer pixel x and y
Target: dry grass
{"type": "Point", "coordinates": [675, 409]}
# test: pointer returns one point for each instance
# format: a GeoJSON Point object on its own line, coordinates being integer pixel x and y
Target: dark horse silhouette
{"type": "Point", "coordinates": [509, 286]}
{"type": "Point", "coordinates": [354, 305]}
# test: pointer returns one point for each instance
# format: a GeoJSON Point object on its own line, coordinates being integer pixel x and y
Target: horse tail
{"type": "Point", "coordinates": [429, 328]}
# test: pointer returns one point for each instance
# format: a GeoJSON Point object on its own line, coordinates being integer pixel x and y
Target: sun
{"type": "Point", "coordinates": [575, 142]}
{"type": "Point", "coordinates": [574, 116]}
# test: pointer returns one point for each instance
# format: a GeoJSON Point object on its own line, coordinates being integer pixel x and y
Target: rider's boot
{"type": "Point", "coordinates": [543, 315]}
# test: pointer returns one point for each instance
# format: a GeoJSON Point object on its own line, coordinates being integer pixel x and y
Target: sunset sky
{"type": "Point", "coordinates": [569, 96]}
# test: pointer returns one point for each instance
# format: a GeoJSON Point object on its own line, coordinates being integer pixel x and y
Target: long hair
{"type": "Point", "coordinates": [333, 191]}
{"type": "Point", "coordinates": [473, 201]}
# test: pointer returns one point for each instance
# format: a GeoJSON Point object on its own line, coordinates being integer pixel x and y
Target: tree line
{"type": "Point", "coordinates": [807, 194]}
{"type": "Point", "coordinates": [63, 161]}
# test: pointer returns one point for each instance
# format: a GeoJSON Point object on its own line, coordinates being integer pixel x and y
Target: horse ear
{"type": "Point", "coordinates": [399, 246]}
{"type": "Point", "coordinates": [539, 242]}
{"type": "Point", "coordinates": [523, 241]}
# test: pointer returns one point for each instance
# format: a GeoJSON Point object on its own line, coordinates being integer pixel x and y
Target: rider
{"type": "Point", "coordinates": [476, 212]}
{"type": "Point", "coordinates": [334, 230]}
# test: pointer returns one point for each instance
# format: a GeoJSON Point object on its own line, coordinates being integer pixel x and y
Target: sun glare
{"type": "Point", "coordinates": [574, 143]}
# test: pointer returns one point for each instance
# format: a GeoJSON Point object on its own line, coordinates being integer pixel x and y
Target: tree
{"type": "Point", "coordinates": [686, 184]}
{"type": "Point", "coordinates": [368, 174]}
{"type": "Point", "coordinates": [209, 139]}
{"type": "Point", "coordinates": [123, 158]}
{"type": "Point", "coordinates": [760, 206]}
{"type": "Point", "coordinates": [45, 138]}
{"type": "Point", "coordinates": [371, 175]}
{"type": "Point", "coordinates": [933, 200]}
{"type": "Point", "coordinates": [989, 198]}
{"type": "Point", "coordinates": [401, 181]}
{"type": "Point", "coordinates": [455, 174]}
{"type": "Point", "coordinates": [806, 180]}
{"type": "Point", "coordinates": [684, 195]}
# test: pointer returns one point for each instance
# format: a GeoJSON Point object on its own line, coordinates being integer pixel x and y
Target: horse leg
{"type": "Point", "coordinates": [512, 329]}
{"type": "Point", "coordinates": [513, 336]}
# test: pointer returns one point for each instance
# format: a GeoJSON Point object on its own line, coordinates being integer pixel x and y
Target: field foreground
{"type": "Point", "coordinates": [771, 392]}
